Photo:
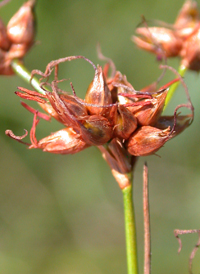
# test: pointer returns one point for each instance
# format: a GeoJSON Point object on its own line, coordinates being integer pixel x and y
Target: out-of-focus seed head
{"type": "Point", "coordinates": [190, 52]}
{"type": "Point", "coordinates": [187, 19]}
{"type": "Point", "coordinates": [98, 94]}
{"type": "Point", "coordinates": [17, 38]}
{"type": "Point", "coordinates": [161, 41]}
{"type": "Point", "coordinates": [21, 27]}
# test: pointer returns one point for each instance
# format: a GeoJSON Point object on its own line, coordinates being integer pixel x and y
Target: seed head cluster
{"type": "Point", "coordinates": [111, 112]}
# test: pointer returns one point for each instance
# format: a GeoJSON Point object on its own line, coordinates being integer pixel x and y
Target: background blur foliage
{"type": "Point", "coordinates": [64, 214]}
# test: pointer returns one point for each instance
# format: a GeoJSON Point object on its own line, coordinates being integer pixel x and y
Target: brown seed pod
{"type": "Point", "coordinates": [147, 115]}
{"type": "Point", "coordinates": [96, 130]}
{"type": "Point", "coordinates": [64, 141]}
{"type": "Point", "coordinates": [98, 94]}
{"type": "Point", "coordinates": [124, 122]}
{"type": "Point", "coordinates": [147, 140]}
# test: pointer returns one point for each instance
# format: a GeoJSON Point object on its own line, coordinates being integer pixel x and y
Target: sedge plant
{"type": "Point", "coordinates": [121, 122]}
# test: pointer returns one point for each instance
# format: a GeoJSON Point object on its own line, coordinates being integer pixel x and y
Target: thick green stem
{"type": "Point", "coordinates": [182, 70]}
{"type": "Point", "coordinates": [131, 243]}
{"type": "Point", "coordinates": [25, 74]}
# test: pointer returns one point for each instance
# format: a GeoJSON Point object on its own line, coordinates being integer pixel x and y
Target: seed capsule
{"type": "Point", "coordinates": [96, 130]}
{"type": "Point", "coordinates": [147, 115]}
{"type": "Point", "coordinates": [147, 140]}
{"type": "Point", "coordinates": [64, 141]}
{"type": "Point", "coordinates": [98, 94]}
{"type": "Point", "coordinates": [125, 122]}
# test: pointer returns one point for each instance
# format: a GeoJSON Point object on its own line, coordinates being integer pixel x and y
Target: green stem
{"type": "Point", "coordinates": [182, 70]}
{"type": "Point", "coordinates": [130, 230]}
{"type": "Point", "coordinates": [25, 74]}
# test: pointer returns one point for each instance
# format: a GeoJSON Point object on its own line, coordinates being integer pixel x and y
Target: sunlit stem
{"type": "Point", "coordinates": [130, 230]}
{"type": "Point", "coordinates": [25, 74]}
{"type": "Point", "coordinates": [182, 70]}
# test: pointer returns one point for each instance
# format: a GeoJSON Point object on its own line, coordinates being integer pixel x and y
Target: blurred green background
{"type": "Point", "coordinates": [64, 214]}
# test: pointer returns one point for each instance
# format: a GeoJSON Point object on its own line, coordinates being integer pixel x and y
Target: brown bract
{"type": "Point", "coordinates": [17, 37]}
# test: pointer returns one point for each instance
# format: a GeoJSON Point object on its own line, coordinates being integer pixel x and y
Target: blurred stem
{"type": "Point", "coordinates": [25, 74]}
{"type": "Point", "coordinates": [130, 229]}
{"type": "Point", "coordinates": [182, 70]}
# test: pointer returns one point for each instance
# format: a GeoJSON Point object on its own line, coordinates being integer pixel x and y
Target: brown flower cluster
{"type": "Point", "coordinates": [127, 122]}
{"type": "Point", "coordinates": [180, 39]}
{"type": "Point", "coordinates": [17, 37]}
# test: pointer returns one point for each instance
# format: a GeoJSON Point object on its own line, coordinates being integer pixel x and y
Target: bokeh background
{"type": "Point", "coordinates": [64, 214]}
